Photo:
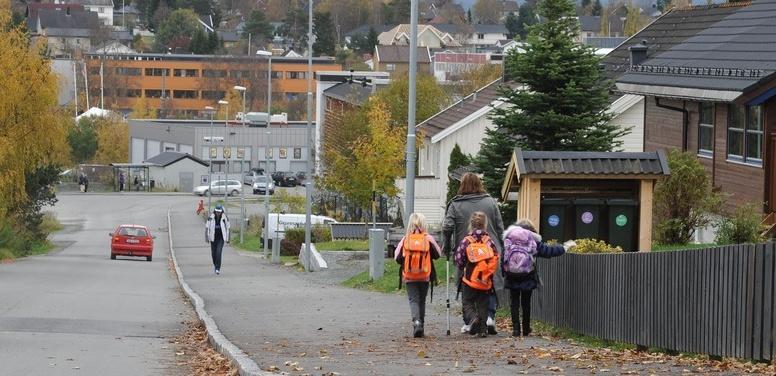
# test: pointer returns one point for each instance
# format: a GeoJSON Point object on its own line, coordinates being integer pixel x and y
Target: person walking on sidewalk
{"type": "Point", "coordinates": [478, 258]}
{"type": "Point", "coordinates": [521, 247]}
{"type": "Point", "coordinates": [216, 233]}
{"type": "Point", "coordinates": [472, 198]}
{"type": "Point", "coordinates": [415, 253]}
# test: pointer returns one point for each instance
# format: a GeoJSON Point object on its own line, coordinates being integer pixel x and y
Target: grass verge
{"type": "Point", "coordinates": [343, 245]}
{"type": "Point", "coordinates": [251, 242]}
{"type": "Point", "coordinates": [389, 282]}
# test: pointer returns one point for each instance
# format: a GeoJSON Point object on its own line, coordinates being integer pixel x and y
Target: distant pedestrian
{"type": "Point", "coordinates": [86, 183]}
{"type": "Point", "coordinates": [81, 183]}
{"type": "Point", "coordinates": [136, 183]}
{"type": "Point", "coordinates": [415, 253]}
{"type": "Point", "coordinates": [521, 245]}
{"type": "Point", "coordinates": [478, 257]}
{"type": "Point", "coordinates": [121, 182]}
{"type": "Point", "coordinates": [472, 198]}
{"type": "Point", "coordinates": [216, 233]}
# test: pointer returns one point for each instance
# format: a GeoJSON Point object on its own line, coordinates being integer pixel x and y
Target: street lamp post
{"type": "Point", "coordinates": [308, 167]}
{"type": "Point", "coordinates": [210, 111]}
{"type": "Point", "coordinates": [242, 165]}
{"type": "Point", "coordinates": [226, 144]}
{"type": "Point", "coordinates": [409, 192]}
{"type": "Point", "coordinates": [267, 179]}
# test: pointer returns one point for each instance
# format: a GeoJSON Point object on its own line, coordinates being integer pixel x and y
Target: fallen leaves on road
{"type": "Point", "coordinates": [202, 360]}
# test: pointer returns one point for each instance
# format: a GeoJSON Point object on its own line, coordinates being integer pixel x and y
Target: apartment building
{"type": "Point", "coordinates": [180, 85]}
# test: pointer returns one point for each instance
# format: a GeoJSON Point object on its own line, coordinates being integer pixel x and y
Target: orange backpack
{"type": "Point", "coordinates": [482, 264]}
{"type": "Point", "coordinates": [417, 258]}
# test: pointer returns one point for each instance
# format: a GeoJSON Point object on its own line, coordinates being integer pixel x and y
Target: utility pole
{"type": "Point", "coordinates": [409, 192]}
{"type": "Point", "coordinates": [242, 191]}
{"type": "Point", "coordinates": [75, 85]}
{"type": "Point", "coordinates": [267, 180]}
{"type": "Point", "coordinates": [226, 144]}
{"type": "Point", "coordinates": [308, 168]}
{"type": "Point", "coordinates": [210, 111]}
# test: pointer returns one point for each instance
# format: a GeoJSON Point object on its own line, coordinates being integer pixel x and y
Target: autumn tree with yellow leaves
{"type": "Point", "coordinates": [371, 162]}
{"type": "Point", "coordinates": [32, 129]}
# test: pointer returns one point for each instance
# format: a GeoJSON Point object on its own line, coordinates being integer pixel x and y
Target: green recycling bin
{"type": "Point", "coordinates": [587, 218]}
{"type": "Point", "coordinates": [622, 223]}
{"type": "Point", "coordinates": [553, 217]}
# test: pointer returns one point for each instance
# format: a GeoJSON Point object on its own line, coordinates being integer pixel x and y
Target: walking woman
{"type": "Point", "coordinates": [216, 233]}
{"type": "Point", "coordinates": [472, 198]}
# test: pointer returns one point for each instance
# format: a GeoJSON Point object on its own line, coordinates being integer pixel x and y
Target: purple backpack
{"type": "Point", "coordinates": [519, 252]}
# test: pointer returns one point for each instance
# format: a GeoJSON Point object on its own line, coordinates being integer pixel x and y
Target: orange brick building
{"type": "Point", "coordinates": [182, 85]}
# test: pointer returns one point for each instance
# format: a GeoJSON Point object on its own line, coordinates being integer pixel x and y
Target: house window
{"type": "Point", "coordinates": [745, 134]}
{"type": "Point", "coordinates": [706, 128]}
{"type": "Point", "coordinates": [213, 73]}
{"type": "Point", "coordinates": [297, 75]}
{"type": "Point", "coordinates": [129, 93]}
{"type": "Point", "coordinates": [184, 94]}
{"type": "Point", "coordinates": [127, 71]}
{"type": "Point", "coordinates": [390, 67]}
{"type": "Point", "coordinates": [213, 94]}
{"type": "Point", "coordinates": [156, 72]}
{"type": "Point", "coordinates": [276, 74]}
{"type": "Point", "coordinates": [185, 73]}
{"type": "Point", "coordinates": [153, 93]}
{"type": "Point", "coordinates": [240, 74]}
{"type": "Point", "coordinates": [480, 36]}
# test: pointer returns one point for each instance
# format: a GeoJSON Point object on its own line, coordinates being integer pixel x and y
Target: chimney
{"type": "Point", "coordinates": [638, 53]}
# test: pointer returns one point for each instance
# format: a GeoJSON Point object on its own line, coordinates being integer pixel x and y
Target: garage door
{"type": "Point", "coordinates": [298, 166]}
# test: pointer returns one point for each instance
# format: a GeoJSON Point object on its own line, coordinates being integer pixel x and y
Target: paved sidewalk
{"type": "Point", "coordinates": [291, 322]}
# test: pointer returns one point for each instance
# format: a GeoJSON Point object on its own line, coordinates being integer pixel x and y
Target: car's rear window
{"type": "Point", "coordinates": [133, 231]}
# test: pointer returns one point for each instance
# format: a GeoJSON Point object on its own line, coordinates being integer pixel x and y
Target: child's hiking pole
{"type": "Point", "coordinates": [447, 290]}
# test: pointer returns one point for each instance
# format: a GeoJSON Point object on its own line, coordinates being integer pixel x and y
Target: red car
{"type": "Point", "coordinates": [132, 240]}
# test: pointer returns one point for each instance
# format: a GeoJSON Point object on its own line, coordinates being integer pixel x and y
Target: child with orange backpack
{"type": "Point", "coordinates": [478, 257]}
{"type": "Point", "coordinates": [415, 253]}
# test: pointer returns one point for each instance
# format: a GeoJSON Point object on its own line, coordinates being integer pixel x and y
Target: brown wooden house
{"type": "Point", "coordinates": [714, 94]}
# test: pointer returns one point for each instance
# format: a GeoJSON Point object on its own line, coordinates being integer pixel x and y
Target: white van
{"type": "Point", "coordinates": [280, 222]}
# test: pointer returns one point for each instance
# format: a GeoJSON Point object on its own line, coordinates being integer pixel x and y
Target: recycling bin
{"type": "Point", "coordinates": [587, 218]}
{"type": "Point", "coordinates": [622, 223]}
{"type": "Point", "coordinates": [553, 219]}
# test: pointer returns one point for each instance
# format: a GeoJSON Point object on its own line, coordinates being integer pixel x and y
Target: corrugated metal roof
{"type": "Point", "coordinates": [401, 54]}
{"type": "Point", "coordinates": [590, 163]}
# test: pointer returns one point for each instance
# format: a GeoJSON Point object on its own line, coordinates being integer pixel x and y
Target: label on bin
{"type": "Point", "coordinates": [553, 220]}
{"type": "Point", "coordinates": [587, 217]}
{"type": "Point", "coordinates": [621, 220]}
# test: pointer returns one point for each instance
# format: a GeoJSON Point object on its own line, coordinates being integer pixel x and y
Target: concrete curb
{"type": "Point", "coordinates": [245, 365]}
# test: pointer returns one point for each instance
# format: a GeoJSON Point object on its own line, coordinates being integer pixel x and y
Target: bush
{"type": "Point", "coordinates": [685, 200]}
{"type": "Point", "coordinates": [594, 246]}
{"type": "Point", "coordinates": [294, 238]}
{"type": "Point", "coordinates": [744, 227]}
{"type": "Point", "coordinates": [255, 225]}
{"type": "Point", "coordinates": [320, 234]}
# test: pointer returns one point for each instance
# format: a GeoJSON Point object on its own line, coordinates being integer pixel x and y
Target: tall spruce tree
{"type": "Point", "coordinates": [457, 159]}
{"type": "Point", "coordinates": [325, 37]}
{"type": "Point", "coordinates": [562, 104]}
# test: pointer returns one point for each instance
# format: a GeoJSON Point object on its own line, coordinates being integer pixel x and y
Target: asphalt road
{"type": "Point", "coordinates": [76, 312]}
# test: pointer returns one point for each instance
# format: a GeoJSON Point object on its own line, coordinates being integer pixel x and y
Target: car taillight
{"type": "Point", "coordinates": [116, 238]}
{"type": "Point", "coordinates": [148, 240]}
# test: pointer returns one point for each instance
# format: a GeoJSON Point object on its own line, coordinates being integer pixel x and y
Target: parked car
{"type": "Point", "coordinates": [220, 187]}
{"type": "Point", "coordinates": [300, 177]}
{"type": "Point", "coordinates": [251, 175]}
{"type": "Point", "coordinates": [132, 240]}
{"type": "Point", "coordinates": [260, 185]}
{"type": "Point", "coordinates": [279, 222]}
{"type": "Point", "coordinates": [276, 176]}
{"type": "Point", "coordinates": [285, 179]}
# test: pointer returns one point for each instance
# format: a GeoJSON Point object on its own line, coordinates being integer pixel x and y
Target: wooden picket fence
{"type": "Point", "coordinates": [717, 301]}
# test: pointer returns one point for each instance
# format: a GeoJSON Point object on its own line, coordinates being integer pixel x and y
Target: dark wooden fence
{"type": "Point", "coordinates": [717, 301]}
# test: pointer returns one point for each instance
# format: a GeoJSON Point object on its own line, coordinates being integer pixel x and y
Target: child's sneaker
{"type": "Point", "coordinates": [491, 326]}
{"type": "Point", "coordinates": [466, 328]}
{"type": "Point", "coordinates": [483, 334]}
{"type": "Point", "coordinates": [417, 329]}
